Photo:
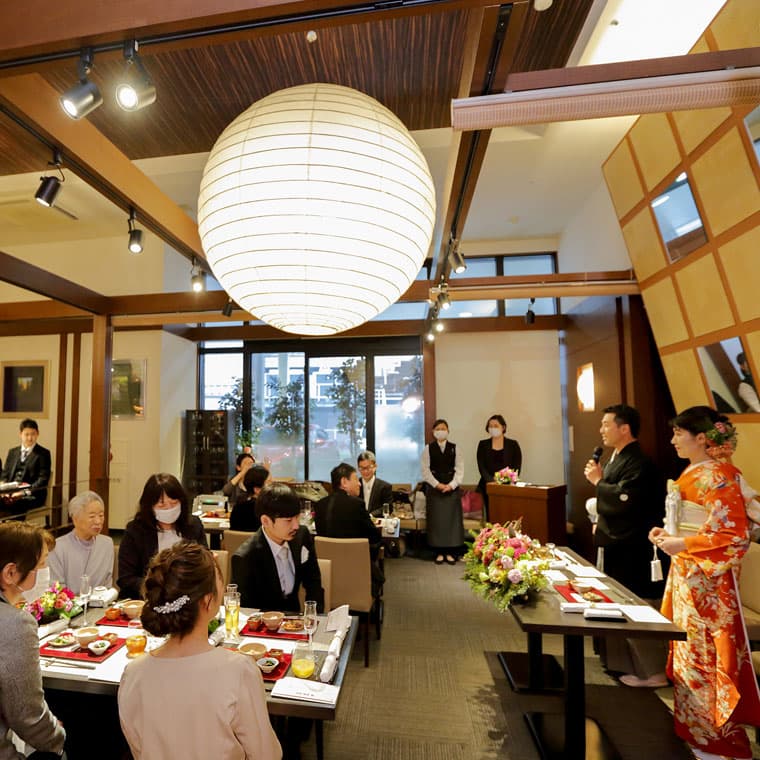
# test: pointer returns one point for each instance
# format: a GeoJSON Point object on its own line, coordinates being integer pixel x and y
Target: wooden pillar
{"type": "Point", "coordinates": [428, 384]}
{"type": "Point", "coordinates": [100, 412]}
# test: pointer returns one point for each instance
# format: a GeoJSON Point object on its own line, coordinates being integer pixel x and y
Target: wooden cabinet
{"type": "Point", "coordinates": [542, 509]}
{"type": "Point", "coordinates": [209, 456]}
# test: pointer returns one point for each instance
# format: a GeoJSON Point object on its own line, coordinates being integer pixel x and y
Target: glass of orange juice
{"type": "Point", "coordinates": [304, 661]}
{"type": "Point", "coordinates": [136, 639]}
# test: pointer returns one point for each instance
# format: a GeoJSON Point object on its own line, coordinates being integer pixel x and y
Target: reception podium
{"type": "Point", "coordinates": [542, 509]}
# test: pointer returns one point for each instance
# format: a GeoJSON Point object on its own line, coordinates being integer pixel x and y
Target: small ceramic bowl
{"type": "Point", "coordinates": [98, 647]}
{"type": "Point", "coordinates": [253, 648]}
{"type": "Point", "coordinates": [133, 609]}
{"type": "Point", "coordinates": [267, 664]}
{"type": "Point", "coordinates": [85, 636]}
{"type": "Point", "coordinates": [272, 620]}
{"type": "Point", "coordinates": [276, 653]}
{"type": "Point", "coordinates": [113, 613]}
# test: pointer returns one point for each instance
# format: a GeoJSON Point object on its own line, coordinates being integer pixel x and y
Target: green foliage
{"type": "Point", "coordinates": [286, 412]}
{"type": "Point", "coordinates": [350, 396]}
{"type": "Point", "coordinates": [233, 400]}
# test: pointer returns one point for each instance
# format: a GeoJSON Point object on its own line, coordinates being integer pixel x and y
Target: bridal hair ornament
{"type": "Point", "coordinates": [176, 605]}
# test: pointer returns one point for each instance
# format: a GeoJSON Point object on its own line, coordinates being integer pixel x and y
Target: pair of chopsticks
{"type": "Point", "coordinates": [66, 663]}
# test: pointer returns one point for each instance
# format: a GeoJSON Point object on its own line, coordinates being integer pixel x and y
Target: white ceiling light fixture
{"type": "Point", "coordinates": [542, 5]}
{"type": "Point", "coordinates": [316, 209]}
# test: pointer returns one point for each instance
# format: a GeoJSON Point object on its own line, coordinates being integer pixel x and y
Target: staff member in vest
{"type": "Point", "coordinates": [443, 470]}
{"type": "Point", "coordinates": [28, 464]}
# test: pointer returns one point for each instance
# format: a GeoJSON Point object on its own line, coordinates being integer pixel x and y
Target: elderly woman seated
{"type": "Point", "coordinates": [83, 551]}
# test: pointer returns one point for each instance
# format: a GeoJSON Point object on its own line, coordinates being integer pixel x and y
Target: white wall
{"type": "Point", "coordinates": [516, 374]}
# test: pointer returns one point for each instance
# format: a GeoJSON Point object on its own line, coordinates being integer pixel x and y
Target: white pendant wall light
{"type": "Point", "coordinates": [316, 209]}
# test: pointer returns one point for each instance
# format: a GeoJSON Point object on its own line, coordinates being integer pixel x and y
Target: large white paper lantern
{"type": "Point", "coordinates": [316, 209]}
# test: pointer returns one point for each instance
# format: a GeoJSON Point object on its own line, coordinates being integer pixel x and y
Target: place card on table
{"type": "Point", "coordinates": [555, 576]}
{"type": "Point", "coordinates": [643, 613]}
{"type": "Point", "coordinates": [305, 690]}
{"type": "Point", "coordinates": [583, 571]}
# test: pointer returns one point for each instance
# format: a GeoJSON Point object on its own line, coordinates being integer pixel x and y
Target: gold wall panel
{"type": "Point", "coordinates": [664, 313]}
{"type": "Point", "coordinates": [748, 444]}
{"type": "Point", "coordinates": [685, 380]}
{"type": "Point", "coordinates": [644, 244]}
{"type": "Point", "coordinates": [655, 147]}
{"type": "Point", "coordinates": [741, 262]}
{"type": "Point", "coordinates": [622, 179]}
{"type": "Point", "coordinates": [700, 46]}
{"type": "Point", "coordinates": [737, 25]}
{"type": "Point", "coordinates": [695, 126]}
{"type": "Point", "coordinates": [703, 295]}
{"type": "Point", "coordinates": [726, 183]}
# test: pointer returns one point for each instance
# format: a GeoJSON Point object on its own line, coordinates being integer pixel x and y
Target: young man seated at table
{"type": "Point", "coordinates": [279, 558]}
{"type": "Point", "coordinates": [28, 464]}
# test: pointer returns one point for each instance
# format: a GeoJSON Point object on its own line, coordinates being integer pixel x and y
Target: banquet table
{"type": "Point", "coordinates": [103, 679]}
{"type": "Point", "coordinates": [572, 734]}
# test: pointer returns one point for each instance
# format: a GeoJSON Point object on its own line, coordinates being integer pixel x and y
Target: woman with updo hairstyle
{"type": "Point", "coordinates": [162, 520]}
{"type": "Point", "coordinates": [707, 534]}
{"type": "Point", "coordinates": [188, 699]}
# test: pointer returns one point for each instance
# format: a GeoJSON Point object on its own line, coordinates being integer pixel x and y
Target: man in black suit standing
{"type": "Point", "coordinates": [372, 491]}
{"type": "Point", "coordinates": [279, 558]}
{"type": "Point", "coordinates": [28, 464]}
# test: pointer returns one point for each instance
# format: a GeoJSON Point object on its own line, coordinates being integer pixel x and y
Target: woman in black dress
{"type": "Point", "coordinates": [495, 453]}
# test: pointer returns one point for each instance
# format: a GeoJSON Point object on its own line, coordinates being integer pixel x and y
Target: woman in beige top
{"type": "Point", "coordinates": [188, 699]}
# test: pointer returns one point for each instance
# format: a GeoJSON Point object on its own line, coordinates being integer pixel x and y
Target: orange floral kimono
{"type": "Point", "coordinates": [715, 690]}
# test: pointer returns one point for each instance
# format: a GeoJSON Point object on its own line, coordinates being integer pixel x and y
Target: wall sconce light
{"type": "Point", "coordinates": [84, 97]}
{"type": "Point", "coordinates": [50, 185]}
{"type": "Point", "coordinates": [584, 387]}
{"type": "Point", "coordinates": [137, 89]}
{"type": "Point", "coordinates": [135, 235]}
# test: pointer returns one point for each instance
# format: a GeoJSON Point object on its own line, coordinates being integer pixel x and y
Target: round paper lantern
{"type": "Point", "coordinates": [316, 209]}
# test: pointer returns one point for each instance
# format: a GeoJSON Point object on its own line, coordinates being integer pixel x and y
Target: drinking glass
{"type": "Point", "coordinates": [304, 660]}
{"type": "Point", "coordinates": [231, 588]}
{"type": "Point", "coordinates": [386, 510]}
{"type": "Point", "coordinates": [137, 639]}
{"type": "Point", "coordinates": [85, 590]}
{"type": "Point", "coordinates": [310, 620]}
{"type": "Point", "coordinates": [231, 616]}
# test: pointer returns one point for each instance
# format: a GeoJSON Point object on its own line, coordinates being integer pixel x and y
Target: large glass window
{"type": "Point", "coordinates": [534, 263]}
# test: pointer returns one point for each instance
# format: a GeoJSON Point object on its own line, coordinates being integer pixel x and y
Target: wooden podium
{"type": "Point", "coordinates": [542, 509]}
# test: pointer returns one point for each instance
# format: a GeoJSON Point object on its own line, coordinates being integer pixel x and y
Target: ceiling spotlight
{"type": "Point", "coordinates": [49, 186]}
{"type": "Point", "coordinates": [444, 299]}
{"type": "Point", "coordinates": [438, 326]}
{"type": "Point", "coordinates": [227, 308]}
{"type": "Point", "coordinates": [530, 315]}
{"type": "Point", "coordinates": [137, 90]}
{"type": "Point", "coordinates": [542, 5]}
{"type": "Point", "coordinates": [456, 259]}
{"type": "Point", "coordinates": [196, 278]}
{"type": "Point", "coordinates": [430, 337]}
{"type": "Point", "coordinates": [84, 97]}
{"type": "Point", "coordinates": [135, 235]}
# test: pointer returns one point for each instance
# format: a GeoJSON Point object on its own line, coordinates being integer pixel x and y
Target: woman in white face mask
{"type": "Point", "coordinates": [442, 471]}
{"type": "Point", "coordinates": [23, 554]}
{"type": "Point", "coordinates": [162, 520]}
{"type": "Point", "coordinates": [495, 453]}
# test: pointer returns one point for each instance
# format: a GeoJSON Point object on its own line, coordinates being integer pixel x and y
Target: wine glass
{"type": "Point", "coordinates": [310, 620]}
{"type": "Point", "coordinates": [85, 590]}
{"type": "Point", "coordinates": [386, 510]}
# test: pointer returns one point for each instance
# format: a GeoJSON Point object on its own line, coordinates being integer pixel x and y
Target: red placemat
{"type": "Point", "coordinates": [81, 654]}
{"type": "Point", "coordinates": [280, 670]}
{"type": "Point", "coordinates": [568, 593]}
{"type": "Point", "coordinates": [122, 621]}
{"type": "Point", "coordinates": [259, 629]}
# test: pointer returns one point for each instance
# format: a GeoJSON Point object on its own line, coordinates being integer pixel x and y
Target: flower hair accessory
{"type": "Point", "coordinates": [175, 606]}
{"type": "Point", "coordinates": [722, 440]}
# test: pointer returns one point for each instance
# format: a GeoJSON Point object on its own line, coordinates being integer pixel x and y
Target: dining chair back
{"type": "Point", "coordinates": [233, 539]}
{"type": "Point", "coordinates": [223, 560]}
{"type": "Point", "coordinates": [325, 571]}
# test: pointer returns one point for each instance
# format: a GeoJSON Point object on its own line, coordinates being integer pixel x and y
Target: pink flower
{"type": "Point", "coordinates": [514, 576]}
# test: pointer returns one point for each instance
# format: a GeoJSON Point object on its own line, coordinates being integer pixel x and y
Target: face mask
{"type": "Point", "coordinates": [168, 516]}
{"type": "Point", "coordinates": [41, 584]}
{"type": "Point", "coordinates": [495, 432]}
{"type": "Point", "coordinates": [440, 435]}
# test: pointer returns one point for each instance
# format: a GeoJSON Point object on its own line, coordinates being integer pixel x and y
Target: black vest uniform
{"type": "Point", "coordinates": [442, 463]}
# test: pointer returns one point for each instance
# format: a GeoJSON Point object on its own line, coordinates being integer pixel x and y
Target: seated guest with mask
{"type": "Point", "coordinates": [244, 516]}
{"type": "Point", "coordinates": [372, 491]}
{"type": "Point", "coordinates": [83, 551]}
{"type": "Point", "coordinates": [28, 464]}
{"type": "Point", "coordinates": [279, 558]}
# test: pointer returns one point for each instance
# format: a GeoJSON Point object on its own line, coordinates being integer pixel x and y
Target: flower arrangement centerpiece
{"type": "Point", "coordinates": [56, 602]}
{"type": "Point", "coordinates": [506, 477]}
{"type": "Point", "coordinates": [503, 564]}
{"type": "Point", "coordinates": [722, 440]}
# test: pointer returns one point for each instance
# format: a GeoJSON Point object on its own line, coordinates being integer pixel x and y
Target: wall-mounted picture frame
{"type": "Point", "coordinates": [128, 389]}
{"type": "Point", "coordinates": [24, 388]}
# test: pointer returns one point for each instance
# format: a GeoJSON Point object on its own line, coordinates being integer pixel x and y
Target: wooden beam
{"type": "Point", "coordinates": [100, 407]}
{"type": "Point", "coordinates": [30, 277]}
{"type": "Point", "coordinates": [46, 309]}
{"type": "Point", "coordinates": [545, 291]}
{"type": "Point", "coordinates": [157, 303]}
{"type": "Point", "coordinates": [76, 372]}
{"type": "Point", "coordinates": [178, 318]}
{"type": "Point", "coordinates": [46, 327]}
{"type": "Point", "coordinates": [95, 159]}
{"type": "Point", "coordinates": [60, 427]}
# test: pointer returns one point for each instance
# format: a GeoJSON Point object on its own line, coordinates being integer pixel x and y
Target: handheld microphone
{"type": "Point", "coordinates": [597, 455]}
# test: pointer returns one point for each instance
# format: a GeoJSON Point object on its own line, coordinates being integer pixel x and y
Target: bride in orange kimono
{"type": "Point", "coordinates": [715, 690]}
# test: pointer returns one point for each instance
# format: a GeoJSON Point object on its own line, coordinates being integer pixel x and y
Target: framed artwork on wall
{"type": "Point", "coordinates": [128, 389]}
{"type": "Point", "coordinates": [24, 388]}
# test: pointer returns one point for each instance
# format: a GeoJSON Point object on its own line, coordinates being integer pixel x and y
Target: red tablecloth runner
{"type": "Point", "coordinates": [81, 654]}
{"type": "Point", "coordinates": [568, 593]}
{"type": "Point", "coordinates": [280, 670]}
{"type": "Point", "coordinates": [262, 631]}
{"type": "Point", "coordinates": [122, 621]}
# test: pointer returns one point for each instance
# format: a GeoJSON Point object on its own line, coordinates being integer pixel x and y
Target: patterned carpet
{"type": "Point", "coordinates": [435, 691]}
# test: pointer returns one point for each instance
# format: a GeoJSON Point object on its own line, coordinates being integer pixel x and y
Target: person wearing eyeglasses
{"type": "Point", "coordinates": [373, 491]}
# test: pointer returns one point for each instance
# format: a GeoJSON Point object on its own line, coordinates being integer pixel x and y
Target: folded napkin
{"type": "Point", "coordinates": [335, 644]}
{"type": "Point", "coordinates": [305, 690]}
{"type": "Point", "coordinates": [338, 619]}
{"type": "Point", "coordinates": [328, 668]}
{"type": "Point", "coordinates": [54, 627]}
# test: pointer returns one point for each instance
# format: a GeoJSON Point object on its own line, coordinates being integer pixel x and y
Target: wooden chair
{"type": "Point", "coordinates": [223, 560]}
{"type": "Point", "coordinates": [351, 580]}
{"type": "Point", "coordinates": [325, 571]}
{"type": "Point", "coordinates": [233, 539]}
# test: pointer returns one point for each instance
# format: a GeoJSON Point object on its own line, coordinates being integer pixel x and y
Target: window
{"type": "Point", "coordinates": [678, 219]}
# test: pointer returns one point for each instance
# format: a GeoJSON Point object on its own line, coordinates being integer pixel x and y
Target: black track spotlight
{"type": "Point", "coordinates": [84, 97]}
{"type": "Point", "coordinates": [135, 235]}
{"type": "Point", "coordinates": [136, 90]}
{"type": "Point", "coordinates": [530, 315]}
{"type": "Point", "coordinates": [227, 308]}
{"type": "Point", "coordinates": [456, 259]}
{"type": "Point", "coordinates": [49, 186]}
{"type": "Point", "coordinates": [196, 279]}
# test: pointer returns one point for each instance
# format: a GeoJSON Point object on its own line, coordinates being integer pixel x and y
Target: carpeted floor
{"type": "Point", "coordinates": [435, 691]}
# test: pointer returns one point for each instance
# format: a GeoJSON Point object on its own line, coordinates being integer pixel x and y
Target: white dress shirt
{"type": "Point", "coordinates": [427, 475]}
{"type": "Point", "coordinates": [286, 568]}
{"type": "Point", "coordinates": [367, 486]}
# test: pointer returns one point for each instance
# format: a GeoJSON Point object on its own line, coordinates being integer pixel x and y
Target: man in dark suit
{"type": "Point", "coordinates": [28, 464]}
{"type": "Point", "coordinates": [372, 491]}
{"type": "Point", "coordinates": [279, 558]}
